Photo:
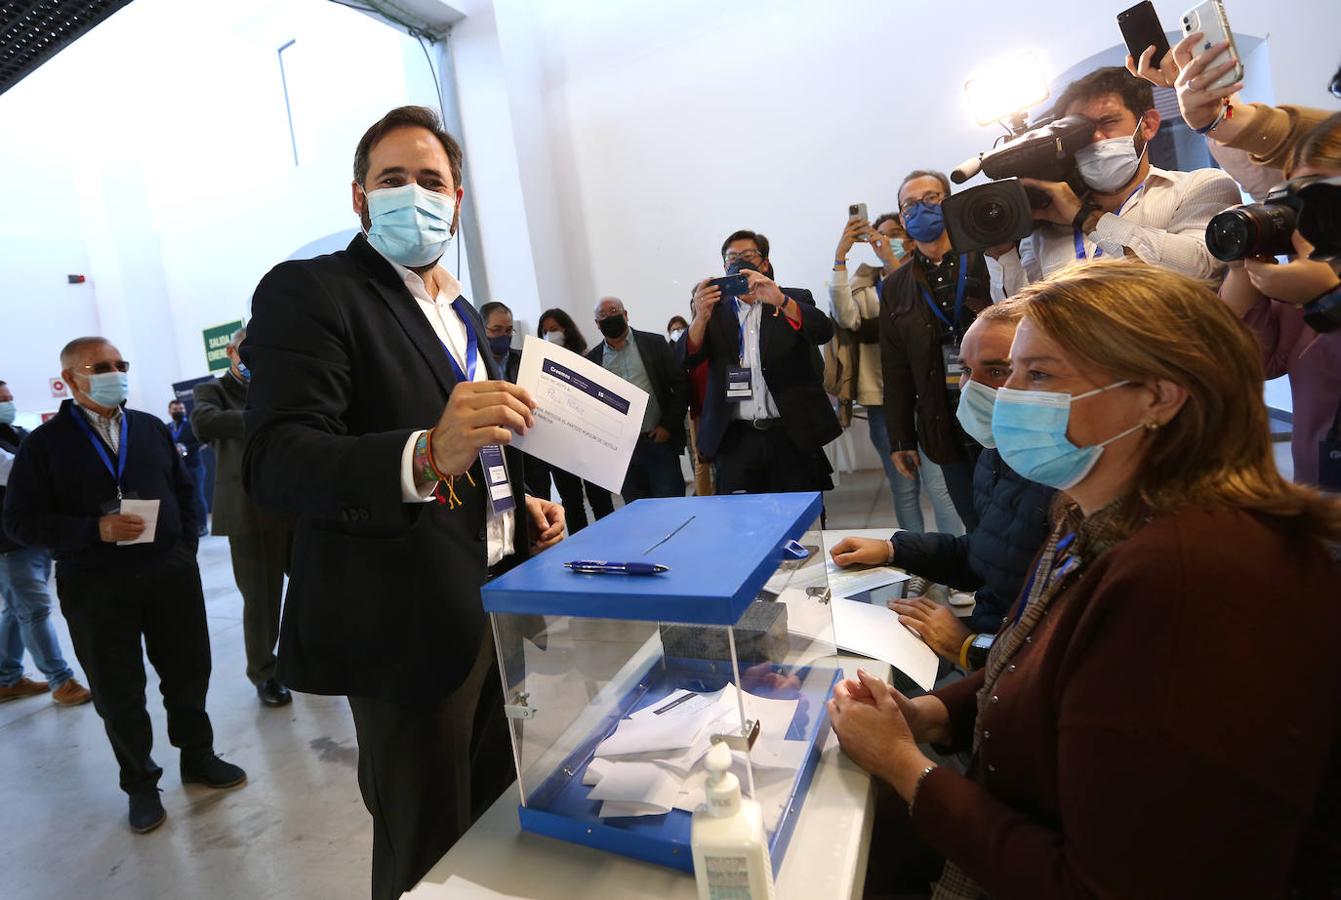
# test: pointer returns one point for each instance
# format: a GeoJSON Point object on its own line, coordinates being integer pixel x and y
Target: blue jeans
{"type": "Point", "coordinates": [906, 491]}
{"type": "Point", "coordinates": [26, 621]}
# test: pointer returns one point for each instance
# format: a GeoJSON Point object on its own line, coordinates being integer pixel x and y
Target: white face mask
{"type": "Point", "coordinates": [676, 334]}
{"type": "Point", "coordinates": [554, 337]}
{"type": "Point", "coordinates": [1108, 165]}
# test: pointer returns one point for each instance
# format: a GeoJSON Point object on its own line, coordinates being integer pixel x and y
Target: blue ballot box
{"type": "Point", "coordinates": [616, 685]}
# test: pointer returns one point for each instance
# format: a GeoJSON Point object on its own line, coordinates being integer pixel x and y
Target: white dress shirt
{"type": "Point", "coordinates": [449, 328]}
{"type": "Point", "coordinates": [1164, 224]}
{"type": "Point", "coordinates": [760, 405]}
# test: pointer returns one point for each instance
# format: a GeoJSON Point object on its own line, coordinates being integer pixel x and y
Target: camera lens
{"type": "Point", "coordinates": [1258, 229]}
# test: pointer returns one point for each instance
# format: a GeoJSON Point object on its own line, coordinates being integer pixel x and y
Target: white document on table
{"type": "Point", "coordinates": [876, 631]}
{"type": "Point", "coordinates": [636, 789]}
{"type": "Point", "coordinates": [588, 420]}
{"type": "Point", "coordinates": [668, 726]}
{"type": "Point", "coordinates": [146, 510]}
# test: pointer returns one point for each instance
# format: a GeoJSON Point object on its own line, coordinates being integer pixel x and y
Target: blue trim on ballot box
{"type": "Point", "coordinates": [560, 807]}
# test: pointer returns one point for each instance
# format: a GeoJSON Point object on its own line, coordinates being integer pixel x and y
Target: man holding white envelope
{"type": "Point", "coordinates": [104, 488]}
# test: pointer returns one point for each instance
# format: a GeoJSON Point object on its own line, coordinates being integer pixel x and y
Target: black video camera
{"type": "Point", "coordinates": [1311, 204]}
{"type": "Point", "coordinates": [1002, 212]}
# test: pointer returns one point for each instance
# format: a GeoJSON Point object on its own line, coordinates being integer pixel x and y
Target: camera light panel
{"type": "Point", "coordinates": [1006, 87]}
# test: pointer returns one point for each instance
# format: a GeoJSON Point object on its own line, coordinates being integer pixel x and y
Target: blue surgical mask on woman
{"type": "Point", "coordinates": [976, 403]}
{"type": "Point", "coordinates": [1030, 432]}
{"type": "Point", "coordinates": [9, 410]}
{"type": "Point", "coordinates": [108, 388]}
{"type": "Point", "coordinates": [924, 222]}
{"type": "Point", "coordinates": [410, 225]}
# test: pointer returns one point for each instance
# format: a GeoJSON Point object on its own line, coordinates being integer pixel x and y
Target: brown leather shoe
{"type": "Point", "coordinates": [24, 687]}
{"type": "Point", "coordinates": [72, 693]}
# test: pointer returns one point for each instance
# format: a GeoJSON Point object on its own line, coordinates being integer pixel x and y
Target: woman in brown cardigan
{"type": "Point", "coordinates": [1159, 716]}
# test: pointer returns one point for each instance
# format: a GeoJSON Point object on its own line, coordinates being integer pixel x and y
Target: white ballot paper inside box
{"type": "Point", "coordinates": [588, 420]}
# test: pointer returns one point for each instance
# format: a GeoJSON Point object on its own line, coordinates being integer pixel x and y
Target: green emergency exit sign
{"type": "Point", "coordinates": [216, 344]}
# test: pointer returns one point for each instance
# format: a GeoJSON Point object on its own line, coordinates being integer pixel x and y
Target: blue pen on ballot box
{"type": "Point", "coordinates": [602, 567]}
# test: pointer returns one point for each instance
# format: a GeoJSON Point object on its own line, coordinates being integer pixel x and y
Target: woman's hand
{"type": "Point", "coordinates": [935, 624]}
{"type": "Point", "coordinates": [1298, 281]}
{"type": "Point", "coordinates": [855, 551]}
{"type": "Point", "coordinates": [874, 732]}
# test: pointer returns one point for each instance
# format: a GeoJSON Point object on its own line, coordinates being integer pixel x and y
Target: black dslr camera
{"type": "Point", "coordinates": [1002, 212]}
{"type": "Point", "coordinates": [1311, 204]}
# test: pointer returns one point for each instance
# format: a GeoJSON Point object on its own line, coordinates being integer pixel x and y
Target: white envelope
{"type": "Point", "coordinates": [147, 510]}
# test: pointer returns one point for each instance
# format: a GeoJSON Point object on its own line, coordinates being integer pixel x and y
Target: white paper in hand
{"type": "Point", "coordinates": [146, 510]}
{"type": "Point", "coordinates": [876, 631]}
{"type": "Point", "coordinates": [588, 420]}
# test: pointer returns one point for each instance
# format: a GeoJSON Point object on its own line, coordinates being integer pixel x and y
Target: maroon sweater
{"type": "Point", "coordinates": [1165, 733]}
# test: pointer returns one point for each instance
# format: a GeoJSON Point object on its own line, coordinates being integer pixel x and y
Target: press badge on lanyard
{"type": "Point", "coordinates": [738, 378]}
{"type": "Point", "coordinates": [493, 463]}
{"type": "Point", "coordinates": [954, 369]}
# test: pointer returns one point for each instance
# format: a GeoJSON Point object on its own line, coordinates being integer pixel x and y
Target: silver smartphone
{"type": "Point", "coordinates": [857, 213]}
{"type": "Point", "coordinates": [1209, 18]}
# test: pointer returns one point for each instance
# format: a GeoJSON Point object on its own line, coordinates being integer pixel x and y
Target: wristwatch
{"type": "Point", "coordinates": [976, 655]}
{"type": "Point", "coordinates": [1324, 313]}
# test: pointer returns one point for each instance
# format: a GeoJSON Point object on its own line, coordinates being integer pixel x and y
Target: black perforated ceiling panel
{"type": "Point", "coordinates": [33, 31]}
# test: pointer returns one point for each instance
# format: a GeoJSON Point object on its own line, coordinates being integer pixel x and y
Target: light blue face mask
{"type": "Point", "coordinates": [108, 388]}
{"type": "Point", "coordinates": [976, 403]}
{"type": "Point", "coordinates": [9, 410]}
{"type": "Point", "coordinates": [410, 225]}
{"type": "Point", "coordinates": [1030, 432]}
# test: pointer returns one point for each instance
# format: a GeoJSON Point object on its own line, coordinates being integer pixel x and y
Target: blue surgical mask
{"type": "Point", "coordinates": [499, 346]}
{"type": "Point", "coordinates": [8, 411]}
{"type": "Point", "coordinates": [243, 371]}
{"type": "Point", "coordinates": [1030, 431]}
{"type": "Point", "coordinates": [925, 222]}
{"type": "Point", "coordinates": [897, 248]}
{"type": "Point", "coordinates": [976, 403]}
{"type": "Point", "coordinates": [410, 225]}
{"type": "Point", "coordinates": [108, 388]}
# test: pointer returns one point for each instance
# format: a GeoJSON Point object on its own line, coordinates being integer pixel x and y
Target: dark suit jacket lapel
{"type": "Point", "coordinates": [386, 284]}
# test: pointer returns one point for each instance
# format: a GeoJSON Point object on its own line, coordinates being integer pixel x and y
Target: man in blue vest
{"type": "Point", "coordinates": [122, 577]}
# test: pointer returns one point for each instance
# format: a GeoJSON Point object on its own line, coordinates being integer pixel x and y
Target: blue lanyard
{"type": "Point", "coordinates": [118, 472]}
{"type": "Point", "coordinates": [177, 431]}
{"type": "Point", "coordinates": [1067, 565]}
{"type": "Point", "coordinates": [472, 346]}
{"type": "Point", "coordinates": [959, 295]}
{"type": "Point", "coordinates": [1098, 251]}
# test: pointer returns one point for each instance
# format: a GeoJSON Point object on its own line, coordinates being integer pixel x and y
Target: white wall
{"type": "Point", "coordinates": [154, 156]}
{"type": "Point", "coordinates": [643, 133]}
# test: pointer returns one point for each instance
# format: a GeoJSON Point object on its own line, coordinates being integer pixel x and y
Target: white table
{"type": "Point", "coordinates": [826, 857]}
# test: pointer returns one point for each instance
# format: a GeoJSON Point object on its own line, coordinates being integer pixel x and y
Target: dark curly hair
{"type": "Point", "coordinates": [572, 338]}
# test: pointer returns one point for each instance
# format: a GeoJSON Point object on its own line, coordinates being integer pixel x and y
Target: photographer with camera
{"type": "Point", "coordinates": [925, 308]}
{"type": "Point", "coordinates": [1294, 309]}
{"type": "Point", "coordinates": [1128, 207]}
{"type": "Point", "coordinates": [856, 307]}
{"type": "Point", "coordinates": [765, 417]}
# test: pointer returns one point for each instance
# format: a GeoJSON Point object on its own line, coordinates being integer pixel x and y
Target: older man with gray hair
{"type": "Point", "coordinates": [259, 541]}
{"type": "Point", "coordinates": [644, 359]}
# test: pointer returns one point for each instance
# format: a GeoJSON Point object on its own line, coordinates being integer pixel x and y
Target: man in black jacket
{"type": "Point", "coordinates": [188, 445]}
{"type": "Point", "coordinates": [645, 360]}
{"type": "Point", "coordinates": [26, 621]}
{"type": "Point", "coordinates": [995, 557]}
{"type": "Point", "coordinates": [258, 542]}
{"type": "Point", "coordinates": [766, 417]}
{"type": "Point", "coordinates": [372, 402]}
{"type": "Point", "coordinates": [925, 308]}
{"type": "Point", "coordinates": [116, 584]}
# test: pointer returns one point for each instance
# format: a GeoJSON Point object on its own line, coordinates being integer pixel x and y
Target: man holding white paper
{"type": "Point", "coordinates": [105, 489]}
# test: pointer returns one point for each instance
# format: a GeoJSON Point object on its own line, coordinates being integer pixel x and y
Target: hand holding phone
{"type": "Point", "coordinates": [856, 212]}
{"type": "Point", "coordinates": [1141, 30]}
{"type": "Point", "coordinates": [731, 285]}
{"type": "Point", "coordinates": [1209, 19]}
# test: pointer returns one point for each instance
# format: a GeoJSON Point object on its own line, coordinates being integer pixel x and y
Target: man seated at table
{"type": "Point", "coordinates": [1013, 517]}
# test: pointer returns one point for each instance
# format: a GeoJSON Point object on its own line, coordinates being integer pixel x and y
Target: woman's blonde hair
{"type": "Point", "coordinates": [1139, 322]}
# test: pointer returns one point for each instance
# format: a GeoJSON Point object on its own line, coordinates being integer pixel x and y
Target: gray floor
{"type": "Point", "coordinates": [298, 829]}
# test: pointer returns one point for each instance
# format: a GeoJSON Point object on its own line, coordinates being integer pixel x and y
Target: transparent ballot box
{"type": "Point", "coordinates": [617, 685]}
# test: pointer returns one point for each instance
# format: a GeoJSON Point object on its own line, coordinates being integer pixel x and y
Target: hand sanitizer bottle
{"type": "Point", "coordinates": [730, 849]}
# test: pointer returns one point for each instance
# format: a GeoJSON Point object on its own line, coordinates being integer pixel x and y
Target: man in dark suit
{"type": "Point", "coordinates": [766, 417]}
{"type": "Point", "coordinates": [66, 493]}
{"type": "Point", "coordinates": [258, 541]}
{"type": "Point", "coordinates": [372, 402]}
{"type": "Point", "coordinates": [188, 445]}
{"type": "Point", "coordinates": [645, 360]}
